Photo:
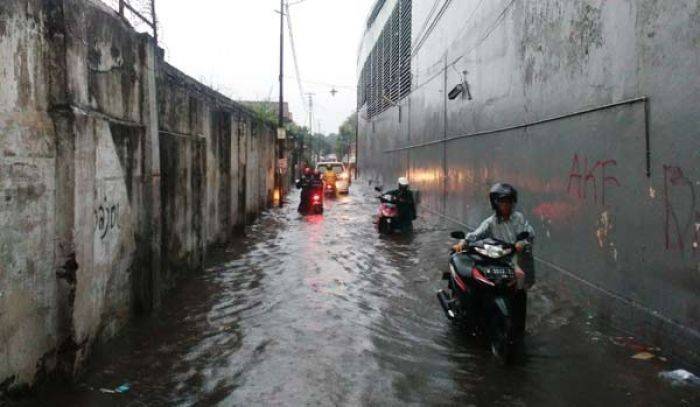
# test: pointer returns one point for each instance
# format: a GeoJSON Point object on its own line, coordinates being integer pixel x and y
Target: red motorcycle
{"type": "Point", "coordinates": [388, 220]}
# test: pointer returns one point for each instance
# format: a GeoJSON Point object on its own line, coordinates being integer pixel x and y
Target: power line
{"type": "Point", "coordinates": [295, 3]}
{"type": "Point", "coordinates": [294, 55]}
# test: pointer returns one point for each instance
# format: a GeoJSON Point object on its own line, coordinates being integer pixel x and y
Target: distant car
{"type": "Point", "coordinates": [342, 185]}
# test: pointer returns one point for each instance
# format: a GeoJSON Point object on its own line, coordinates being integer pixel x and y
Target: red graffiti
{"type": "Point", "coordinates": [682, 217]}
{"type": "Point", "coordinates": [594, 177]}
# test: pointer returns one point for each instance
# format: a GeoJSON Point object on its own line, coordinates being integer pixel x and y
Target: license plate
{"type": "Point", "coordinates": [503, 272]}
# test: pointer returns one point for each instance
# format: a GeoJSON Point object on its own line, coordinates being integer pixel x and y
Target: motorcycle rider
{"type": "Point", "coordinates": [506, 224]}
{"type": "Point", "coordinates": [404, 200]}
{"type": "Point", "coordinates": [330, 177]}
{"type": "Point", "coordinates": [305, 184]}
{"type": "Point", "coordinates": [316, 183]}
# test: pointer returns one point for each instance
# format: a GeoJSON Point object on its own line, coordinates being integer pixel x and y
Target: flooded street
{"type": "Point", "coordinates": [321, 311]}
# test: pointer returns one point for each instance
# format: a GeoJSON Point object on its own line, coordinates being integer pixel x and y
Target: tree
{"type": "Point", "coordinates": [346, 136]}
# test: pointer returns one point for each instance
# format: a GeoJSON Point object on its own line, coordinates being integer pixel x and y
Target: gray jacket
{"type": "Point", "coordinates": [507, 231]}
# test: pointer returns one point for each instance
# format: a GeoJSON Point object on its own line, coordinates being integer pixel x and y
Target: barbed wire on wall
{"type": "Point", "coordinates": [139, 13]}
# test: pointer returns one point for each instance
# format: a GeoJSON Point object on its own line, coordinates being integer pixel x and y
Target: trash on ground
{"type": "Point", "coordinates": [124, 388]}
{"type": "Point", "coordinates": [629, 342]}
{"type": "Point", "coordinates": [643, 356]}
{"type": "Point", "coordinates": [680, 377]}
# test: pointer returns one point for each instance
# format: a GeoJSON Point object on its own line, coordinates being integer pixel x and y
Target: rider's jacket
{"type": "Point", "coordinates": [330, 177]}
{"type": "Point", "coordinates": [501, 229]}
{"type": "Point", "coordinates": [507, 231]}
{"type": "Point", "coordinates": [404, 200]}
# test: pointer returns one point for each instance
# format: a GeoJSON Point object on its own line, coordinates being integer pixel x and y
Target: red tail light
{"type": "Point", "coordinates": [317, 198]}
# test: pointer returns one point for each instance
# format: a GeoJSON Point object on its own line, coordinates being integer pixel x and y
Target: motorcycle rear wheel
{"type": "Point", "coordinates": [383, 226]}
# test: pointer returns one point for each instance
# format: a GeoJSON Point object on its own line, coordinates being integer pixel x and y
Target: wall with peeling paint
{"type": "Point", "coordinates": [565, 94]}
{"type": "Point", "coordinates": [116, 172]}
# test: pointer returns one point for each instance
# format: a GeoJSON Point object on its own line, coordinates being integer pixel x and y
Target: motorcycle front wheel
{"type": "Point", "coordinates": [501, 337]}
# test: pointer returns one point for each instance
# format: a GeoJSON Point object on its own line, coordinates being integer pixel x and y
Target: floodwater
{"type": "Point", "coordinates": [321, 311]}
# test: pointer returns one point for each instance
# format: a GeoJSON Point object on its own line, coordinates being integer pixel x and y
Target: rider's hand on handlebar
{"type": "Point", "coordinates": [459, 247]}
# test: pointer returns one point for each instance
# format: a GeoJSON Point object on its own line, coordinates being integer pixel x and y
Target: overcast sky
{"type": "Point", "coordinates": [234, 44]}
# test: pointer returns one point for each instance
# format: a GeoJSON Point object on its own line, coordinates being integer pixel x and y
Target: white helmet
{"type": "Point", "coordinates": [403, 182]}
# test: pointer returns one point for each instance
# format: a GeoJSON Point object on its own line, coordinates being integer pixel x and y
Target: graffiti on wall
{"type": "Point", "coordinates": [107, 218]}
{"type": "Point", "coordinates": [682, 228]}
{"type": "Point", "coordinates": [591, 180]}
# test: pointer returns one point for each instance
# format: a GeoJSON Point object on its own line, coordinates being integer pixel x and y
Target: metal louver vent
{"type": "Point", "coordinates": [386, 75]}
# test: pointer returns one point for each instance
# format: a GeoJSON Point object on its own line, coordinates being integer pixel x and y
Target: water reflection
{"type": "Point", "coordinates": [319, 310]}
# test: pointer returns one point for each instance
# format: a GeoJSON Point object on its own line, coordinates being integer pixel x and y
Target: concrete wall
{"type": "Point", "coordinates": [116, 172]}
{"type": "Point", "coordinates": [565, 94]}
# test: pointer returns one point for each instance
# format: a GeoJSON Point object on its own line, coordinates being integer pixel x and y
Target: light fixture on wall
{"type": "Point", "coordinates": [461, 89]}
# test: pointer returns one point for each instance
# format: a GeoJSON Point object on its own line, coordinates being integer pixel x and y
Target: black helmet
{"type": "Point", "coordinates": [501, 191]}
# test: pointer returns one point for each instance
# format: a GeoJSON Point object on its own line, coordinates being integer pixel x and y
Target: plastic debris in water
{"type": "Point", "coordinates": [643, 356]}
{"type": "Point", "coordinates": [124, 388]}
{"type": "Point", "coordinates": [680, 377]}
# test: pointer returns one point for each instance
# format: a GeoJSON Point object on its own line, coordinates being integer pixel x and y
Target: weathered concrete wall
{"type": "Point", "coordinates": [622, 230]}
{"type": "Point", "coordinates": [28, 312]}
{"type": "Point", "coordinates": [116, 171]}
{"type": "Point", "coordinates": [208, 190]}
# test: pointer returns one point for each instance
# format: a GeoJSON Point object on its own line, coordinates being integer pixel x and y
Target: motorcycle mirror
{"type": "Point", "coordinates": [378, 189]}
{"type": "Point", "coordinates": [458, 235]}
{"type": "Point", "coordinates": [523, 236]}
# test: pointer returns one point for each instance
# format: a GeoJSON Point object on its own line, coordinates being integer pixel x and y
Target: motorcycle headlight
{"type": "Point", "coordinates": [491, 251]}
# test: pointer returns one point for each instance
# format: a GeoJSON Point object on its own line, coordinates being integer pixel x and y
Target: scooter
{"type": "Point", "coordinates": [486, 293]}
{"type": "Point", "coordinates": [388, 220]}
{"type": "Point", "coordinates": [315, 200]}
{"type": "Point", "coordinates": [316, 204]}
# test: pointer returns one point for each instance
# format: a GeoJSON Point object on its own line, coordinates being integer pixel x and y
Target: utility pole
{"type": "Point", "coordinates": [155, 20]}
{"type": "Point", "coordinates": [311, 121]}
{"type": "Point", "coordinates": [281, 136]}
{"type": "Point", "coordinates": [357, 142]}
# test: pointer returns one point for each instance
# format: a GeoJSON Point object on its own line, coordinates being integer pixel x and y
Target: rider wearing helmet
{"type": "Point", "coordinates": [507, 224]}
{"type": "Point", "coordinates": [330, 177]}
{"type": "Point", "coordinates": [317, 181]}
{"type": "Point", "coordinates": [404, 199]}
{"type": "Point", "coordinates": [305, 184]}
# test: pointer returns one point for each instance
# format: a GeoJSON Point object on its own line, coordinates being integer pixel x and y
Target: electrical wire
{"type": "Point", "coordinates": [487, 34]}
{"type": "Point", "coordinates": [294, 55]}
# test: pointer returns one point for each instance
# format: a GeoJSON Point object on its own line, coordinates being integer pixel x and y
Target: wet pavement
{"type": "Point", "coordinates": [319, 310]}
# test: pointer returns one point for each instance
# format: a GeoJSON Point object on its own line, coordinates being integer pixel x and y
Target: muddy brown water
{"type": "Point", "coordinates": [319, 310]}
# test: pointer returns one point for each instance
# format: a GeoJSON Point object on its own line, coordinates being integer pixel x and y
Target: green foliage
{"type": "Point", "coordinates": [264, 113]}
{"type": "Point", "coordinates": [346, 136]}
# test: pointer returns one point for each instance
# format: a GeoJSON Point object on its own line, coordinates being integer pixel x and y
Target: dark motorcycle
{"type": "Point", "coordinates": [311, 198]}
{"type": "Point", "coordinates": [486, 293]}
